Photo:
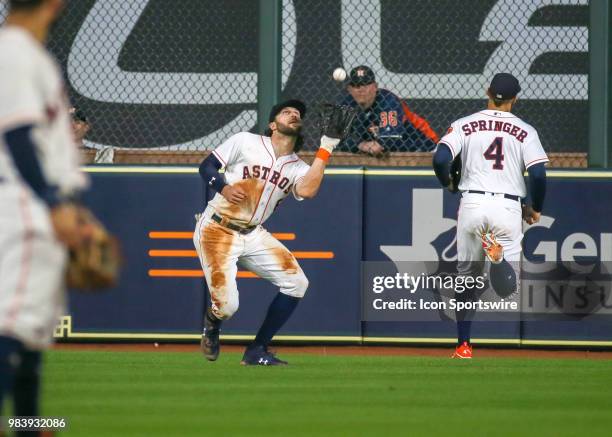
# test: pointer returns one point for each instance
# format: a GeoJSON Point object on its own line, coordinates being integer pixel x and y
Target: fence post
{"type": "Point", "coordinates": [600, 92]}
{"type": "Point", "coordinates": [269, 71]}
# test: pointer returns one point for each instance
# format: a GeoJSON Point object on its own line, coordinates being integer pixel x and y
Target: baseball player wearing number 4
{"type": "Point", "coordinates": [495, 148]}
{"type": "Point", "coordinates": [260, 172]}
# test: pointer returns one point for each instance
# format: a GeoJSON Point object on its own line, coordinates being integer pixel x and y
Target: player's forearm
{"type": "Point", "coordinates": [537, 186]}
{"type": "Point", "coordinates": [441, 162]}
{"type": "Point", "coordinates": [23, 152]}
{"type": "Point", "coordinates": [309, 185]}
{"type": "Point", "coordinates": [209, 170]}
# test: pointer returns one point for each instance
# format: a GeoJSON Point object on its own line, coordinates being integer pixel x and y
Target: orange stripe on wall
{"type": "Point", "coordinates": [191, 274]}
{"type": "Point", "coordinates": [194, 254]}
{"type": "Point", "coordinates": [156, 235]}
{"type": "Point", "coordinates": [246, 275]}
{"type": "Point", "coordinates": [283, 236]}
{"type": "Point", "coordinates": [176, 273]}
{"type": "Point", "coordinates": [313, 255]}
{"type": "Point", "coordinates": [179, 253]}
{"type": "Point", "coordinates": [167, 235]}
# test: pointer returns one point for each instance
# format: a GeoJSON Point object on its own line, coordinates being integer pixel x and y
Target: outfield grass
{"type": "Point", "coordinates": [180, 394]}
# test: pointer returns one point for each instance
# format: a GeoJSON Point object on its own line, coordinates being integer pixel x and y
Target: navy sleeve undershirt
{"type": "Point", "coordinates": [209, 170]}
{"type": "Point", "coordinates": [441, 164]}
{"type": "Point", "coordinates": [23, 152]}
{"type": "Point", "coordinates": [537, 185]}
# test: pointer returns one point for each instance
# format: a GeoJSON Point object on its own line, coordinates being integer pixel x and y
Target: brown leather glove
{"type": "Point", "coordinates": [94, 264]}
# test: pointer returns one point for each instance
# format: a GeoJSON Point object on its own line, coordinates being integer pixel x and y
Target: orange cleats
{"type": "Point", "coordinates": [492, 249]}
{"type": "Point", "coordinates": [463, 351]}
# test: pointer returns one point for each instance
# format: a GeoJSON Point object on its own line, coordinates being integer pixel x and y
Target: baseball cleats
{"type": "Point", "coordinates": [210, 338]}
{"type": "Point", "coordinates": [210, 345]}
{"type": "Point", "coordinates": [492, 249]}
{"type": "Point", "coordinates": [464, 351]}
{"type": "Point", "coordinates": [258, 355]}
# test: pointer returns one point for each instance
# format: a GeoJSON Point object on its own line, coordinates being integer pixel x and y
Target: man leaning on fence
{"type": "Point", "coordinates": [385, 123]}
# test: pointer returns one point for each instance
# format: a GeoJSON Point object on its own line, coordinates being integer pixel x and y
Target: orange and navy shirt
{"type": "Point", "coordinates": [390, 122]}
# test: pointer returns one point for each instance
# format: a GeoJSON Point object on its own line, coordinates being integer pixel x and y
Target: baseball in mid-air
{"type": "Point", "coordinates": [339, 74]}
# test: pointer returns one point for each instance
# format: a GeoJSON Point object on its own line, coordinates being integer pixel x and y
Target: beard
{"type": "Point", "coordinates": [287, 129]}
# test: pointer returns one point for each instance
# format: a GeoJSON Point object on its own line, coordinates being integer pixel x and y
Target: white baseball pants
{"type": "Point", "coordinates": [479, 213]}
{"type": "Point", "coordinates": [32, 264]}
{"type": "Point", "coordinates": [220, 251]}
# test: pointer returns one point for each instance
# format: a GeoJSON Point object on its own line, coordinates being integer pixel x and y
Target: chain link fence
{"type": "Point", "coordinates": [182, 75]}
{"type": "Point", "coordinates": [437, 59]}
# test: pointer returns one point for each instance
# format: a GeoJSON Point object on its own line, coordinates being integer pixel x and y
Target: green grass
{"type": "Point", "coordinates": [179, 394]}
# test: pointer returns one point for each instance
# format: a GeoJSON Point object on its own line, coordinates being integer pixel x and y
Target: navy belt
{"type": "Point", "coordinates": [223, 222]}
{"type": "Point", "coordinates": [506, 196]}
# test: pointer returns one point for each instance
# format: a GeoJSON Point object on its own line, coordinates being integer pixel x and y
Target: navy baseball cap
{"type": "Point", "coordinates": [293, 103]}
{"type": "Point", "coordinates": [504, 86]}
{"type": "Point", "coordinates": [361, 75]}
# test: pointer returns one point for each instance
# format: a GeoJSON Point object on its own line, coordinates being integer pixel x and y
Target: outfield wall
{"type": "Point", "coordinates": [359, 215]}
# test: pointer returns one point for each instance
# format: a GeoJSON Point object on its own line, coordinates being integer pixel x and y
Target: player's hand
{"type": "Point", "coordinates": [371, 148]}
{"type": "Point", "coordinates": [233, 195]}
{"type": "Point", "coordinates": [65, 222]}
{"type": "Point", "coordinates": [530, 216]}
{"type": "Point", "coordinates": [329, 143]}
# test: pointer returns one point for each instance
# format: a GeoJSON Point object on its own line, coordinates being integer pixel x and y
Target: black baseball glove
{"type": "Point", "coordinates": [335, 120]}
{"type": "Point", "coordinates": [455, 174]}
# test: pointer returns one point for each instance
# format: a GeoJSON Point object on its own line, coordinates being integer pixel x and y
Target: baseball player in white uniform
{"type": "Point", "coordinates": [39, 174]}
{"type": "Point", "coordinates": [259, 173]}
{"type": "Point", "coordinates": [495, 148]}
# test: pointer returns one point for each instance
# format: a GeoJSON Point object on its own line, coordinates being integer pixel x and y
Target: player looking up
{"type": "Point", "coordinates": [260, 171]}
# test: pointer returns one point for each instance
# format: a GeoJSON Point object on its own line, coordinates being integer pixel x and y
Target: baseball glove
{"type": "Point", "coordinates": [335, 120]}
{"type": "Point", "coordinates": [455, 174]}
{"type": "Point", "coordinates": [95, 263]}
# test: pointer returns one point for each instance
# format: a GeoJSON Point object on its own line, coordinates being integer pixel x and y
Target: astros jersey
{"type": "Point", "coordinates": [390, 122]}
{"type": "Point", "coordinates": [249, 162]}
{"type": "Point", "coordinates": [496, 147]}
{"type": "Point", "coordinates": [32, 93]}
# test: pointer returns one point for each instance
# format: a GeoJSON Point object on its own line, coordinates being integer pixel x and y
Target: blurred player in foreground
{"type": "Point", "coordinates": [39, 176]}
{"type": "Point", "coordinates": [495, 148]}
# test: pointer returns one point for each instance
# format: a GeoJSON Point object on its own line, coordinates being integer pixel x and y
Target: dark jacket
{"type": "Point", "coordinates": [399, 129]}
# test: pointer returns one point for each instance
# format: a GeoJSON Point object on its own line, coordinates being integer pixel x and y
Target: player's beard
{"type": "Point", "coordinates": [290, 131]}
{"type": "Point", "coordinates": [287, 129]}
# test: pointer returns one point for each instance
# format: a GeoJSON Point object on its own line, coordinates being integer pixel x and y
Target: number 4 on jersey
{"type": "Point", "coordinates": [495, 153]}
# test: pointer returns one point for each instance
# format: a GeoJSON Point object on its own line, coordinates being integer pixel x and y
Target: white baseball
{"type": "Point", "coordinates": [339, 74]}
